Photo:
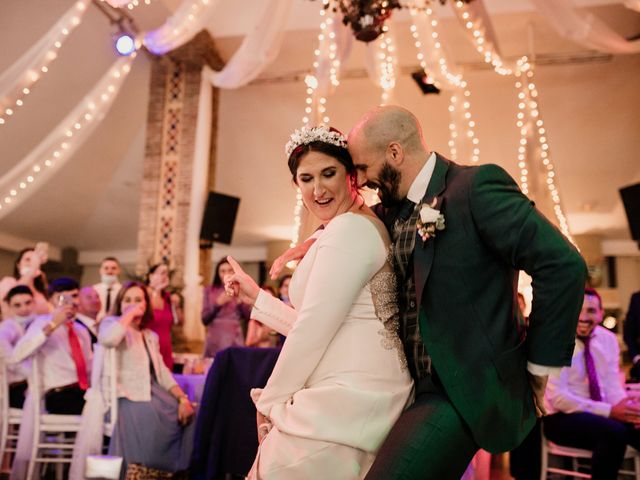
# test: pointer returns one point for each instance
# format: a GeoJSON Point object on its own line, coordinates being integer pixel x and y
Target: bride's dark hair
{"type": "Point", "coordinates": [339, 153]}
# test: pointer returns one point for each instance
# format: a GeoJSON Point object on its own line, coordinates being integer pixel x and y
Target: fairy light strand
{"type": "Point", "coordinates": [457, 108]}
{"type": "Point", "coordinates": [40, 66]}
{"type": "Point", "coordinates": [386, 55]}
{"type": "Point", "coordinates": [485, 48]}
{"type": "Point", "coordinates": [527, 97]}
{"type": "Point", "coordinates": [95, 107]}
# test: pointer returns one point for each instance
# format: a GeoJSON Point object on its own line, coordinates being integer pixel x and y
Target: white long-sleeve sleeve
{"type": "Point", "coordinates": [348, 253]}
{"type": "Point", "coordinates": [32, 340]}
{"type": "Point", "coordinates": [273, 313]}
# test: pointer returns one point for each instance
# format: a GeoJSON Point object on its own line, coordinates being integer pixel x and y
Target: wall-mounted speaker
{"type": "Point", "coordinates": [631, 199]}
{"type": "Point", "coordinates": [219, 219]}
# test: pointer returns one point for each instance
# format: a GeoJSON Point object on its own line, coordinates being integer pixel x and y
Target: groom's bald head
{"type": "Point", "coordinates": [388, 151]}
{"type": "Point", "coordinates": [384, 125]}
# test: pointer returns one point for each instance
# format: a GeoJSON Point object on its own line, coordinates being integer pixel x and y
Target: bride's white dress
{"type": "Point", "coordinates": [341, 380]}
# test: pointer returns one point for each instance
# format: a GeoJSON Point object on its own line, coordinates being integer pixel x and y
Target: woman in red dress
{"type": "Point", "coordinates": [157, 283]}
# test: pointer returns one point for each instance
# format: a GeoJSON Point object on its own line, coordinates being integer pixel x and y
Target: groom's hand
{"type": "Point", "coordinates": [293, 254]}
{"type": "Point", "coordinates": [538, 385]}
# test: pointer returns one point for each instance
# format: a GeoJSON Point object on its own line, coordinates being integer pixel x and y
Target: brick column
{"type": "Point", "coordinates": [168, 163]}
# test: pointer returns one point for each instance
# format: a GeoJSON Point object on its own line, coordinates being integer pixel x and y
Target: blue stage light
{"type": "Point", "coordinates": [125, 44]}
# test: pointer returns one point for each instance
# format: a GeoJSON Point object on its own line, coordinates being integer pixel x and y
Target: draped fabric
{"type": "Point", "coordinates": [585, 28]}
{"type": "Point", "coordinates": [59, 146]}
{"type": "Point", "coordinates": [259, 48]}
{"type": "Point", "coordinates": [191, 17]}
{"type": "Point", "coordinates": [225, 437]}
{"type": "Point", "coordinates": [632, 4]}
{"type": "Point", "coordinates": [89, 437]}
{"type": "Point", "coordinates": [21, 73]}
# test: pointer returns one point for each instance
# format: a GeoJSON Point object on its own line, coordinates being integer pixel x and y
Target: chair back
{"type": "Point", "coordinates": [109, 383]}
{"type": "Point", "coordinates": [4, 407]}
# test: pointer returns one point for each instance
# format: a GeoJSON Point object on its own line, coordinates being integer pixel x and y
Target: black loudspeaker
{"type": "Point", "coordinates": [631, 199]}
{"type": "Point", "coordinates": [219, 219]}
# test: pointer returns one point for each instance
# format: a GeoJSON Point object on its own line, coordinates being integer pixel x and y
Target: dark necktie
{"type": "Point", "coordinates": [594, 386]}
{"type": "Point", "coordinates": [108, 305]}
{"type": "Point", "coordinates": [78, 357]}
{"type": "Point", "coordinates": [405, 210]}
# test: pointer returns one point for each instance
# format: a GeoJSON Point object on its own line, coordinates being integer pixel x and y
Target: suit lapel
{"type": "Point", "coordinates": [423, 251]}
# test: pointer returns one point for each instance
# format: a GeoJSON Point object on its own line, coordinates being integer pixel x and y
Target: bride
{"type": "Point", "coordinates": [341, 380]}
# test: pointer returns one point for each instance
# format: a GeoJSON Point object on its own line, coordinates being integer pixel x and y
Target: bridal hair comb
{"type": "Point", "coordinates": [321, 133]}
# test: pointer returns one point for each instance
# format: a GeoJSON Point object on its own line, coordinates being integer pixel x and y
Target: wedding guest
{"type": "Point", "coordinates": [588, 407]}
{"type": "Point", "coordinates": [283, 289]}
{"type": "Point", "coordinates": [89, 307]}
{"type": "Point", "coordinates": [109, 285]}
{"type": "Point", "coordinates": [258, 334]}
{"type": "Point", "coordinates": [26, 271]}
{"type": "Point", "coordinates": [62, 348]}
{"type": "Point", "coordinates": [12, 329]}
{"type": "Point", "coordinates": [157, 284]}
{"type": "Point", "coordinates": [222, 315]}
{"type": "Point", "coordinates": [154, 429]}
{"type": "Point", "coordinates": [632, 335]}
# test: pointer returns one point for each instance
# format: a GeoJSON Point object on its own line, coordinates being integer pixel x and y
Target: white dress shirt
{"type": "Point", "coordinates": [568, 391]}
{"type": "Point", "coordinates": [88, 322]}
{"type": "Point", "coordinates": [54, 352]}
{"type": "Point", "coordinates": [10, 333]}
{"type": "Point", "coordinates": [102, 288]}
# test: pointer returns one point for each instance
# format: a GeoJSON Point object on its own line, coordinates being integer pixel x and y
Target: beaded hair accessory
{"type": "Point", "coordinates": [307, 135]}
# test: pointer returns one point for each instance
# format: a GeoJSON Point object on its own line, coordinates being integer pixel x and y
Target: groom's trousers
{"type": "Point", "coordinates": [430, 441]}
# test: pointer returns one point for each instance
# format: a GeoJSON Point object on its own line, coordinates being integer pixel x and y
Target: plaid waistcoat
{"type": "Point", "coordinates": [404, 236]}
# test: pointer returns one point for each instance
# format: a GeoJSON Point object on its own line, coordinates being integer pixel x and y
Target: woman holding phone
{"type": "Point", "coordinates": [26, 271]}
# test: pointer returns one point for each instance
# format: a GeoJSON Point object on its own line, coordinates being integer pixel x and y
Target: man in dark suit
{"type": "Point", "coordinates": [461, 235]}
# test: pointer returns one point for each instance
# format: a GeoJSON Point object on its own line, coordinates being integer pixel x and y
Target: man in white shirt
{"type": "Point", "coordinates": [588, 406]}
{"type": "Point", "coordinates": [89, 306]}
{"type": "Point", "coordinates": [62, 348]}
{"type": "Point", "coordinates": [109, 285]}
{"type": "Point", "coordinates": [12, 329]}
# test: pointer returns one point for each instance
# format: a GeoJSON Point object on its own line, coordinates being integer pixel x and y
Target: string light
{"type": "Point", "coordinates": [484, 47]}
{"type": "Point", "coordinates": [387, 65]}
{"type": "Point", "coordinates": [39, 66]}
{"type": "Point", "coordinates": [55, 153]}
{"type": "Point", "coordinates": [527, 102]}
{"type": "Point", "coordinates": [460, 111]}
{"type": "Point", "coordinates": [316, 109]}
{"type": "Point", "coordinates": [136, 3]}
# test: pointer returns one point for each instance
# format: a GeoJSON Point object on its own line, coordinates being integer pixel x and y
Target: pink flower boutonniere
{"type": "Point", "coordinates": [429, 221]}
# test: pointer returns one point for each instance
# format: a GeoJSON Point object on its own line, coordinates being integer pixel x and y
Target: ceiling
{"type": "Point", "coordinates": [590, 103]}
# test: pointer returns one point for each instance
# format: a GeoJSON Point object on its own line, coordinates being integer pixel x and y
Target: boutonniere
{"type": "Point", "coordinates": [429, 221]}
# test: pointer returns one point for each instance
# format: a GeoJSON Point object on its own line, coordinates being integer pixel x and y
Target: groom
{"type": "Point", "coordinates": [461, 235]}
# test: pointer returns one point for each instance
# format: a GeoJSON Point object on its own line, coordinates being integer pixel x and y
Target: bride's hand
{"type": "Point", "coordinates": [294, 253]}
{"type": "Point", "coordinates": [264, 425]}
{"type": "Point", "coordinates": [240, 284]}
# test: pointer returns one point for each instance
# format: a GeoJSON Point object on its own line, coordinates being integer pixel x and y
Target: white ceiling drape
{"type": "Point", "coordinates": [585, 28]}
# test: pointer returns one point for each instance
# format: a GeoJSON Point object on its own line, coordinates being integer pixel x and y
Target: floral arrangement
{"type": "Point", "coordinates": [429, 221]}
{"type": "Point", "coordinates": [367, 17]}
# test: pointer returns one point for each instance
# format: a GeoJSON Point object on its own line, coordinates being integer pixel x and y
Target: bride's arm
{"type": "Point", "coordinates": [273, 313]}
{"type": "Point", "coordinates": [349, 253]}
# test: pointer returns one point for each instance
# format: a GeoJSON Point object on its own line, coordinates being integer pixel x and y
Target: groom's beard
{"type": "Point", "coordinates": [389, 185]}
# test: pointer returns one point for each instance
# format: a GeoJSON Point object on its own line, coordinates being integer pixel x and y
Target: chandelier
{"type": "Point", "coordinates": [366, 17]}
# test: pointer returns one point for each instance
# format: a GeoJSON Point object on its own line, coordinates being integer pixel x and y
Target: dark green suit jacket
{"type": "Point", "coordinates": [466, 280]}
